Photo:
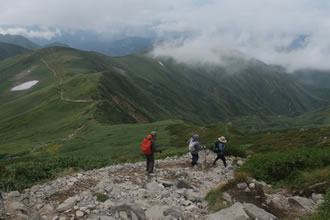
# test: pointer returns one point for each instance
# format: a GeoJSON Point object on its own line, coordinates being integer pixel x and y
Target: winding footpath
{"type": "Point", "coordinates": [61, 89]}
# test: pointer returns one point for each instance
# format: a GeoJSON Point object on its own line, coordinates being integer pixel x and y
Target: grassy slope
{"type": "Point", "coordinates": [18, 40]}
{"type": "Point", "coordinates": [9, 50]}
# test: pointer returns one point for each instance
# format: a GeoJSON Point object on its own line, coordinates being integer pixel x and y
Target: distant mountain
{"type": "Point", "coordinates": [18, 40]}
{"type": "Point", "coordinates": [56, 44]}
{"type": "Point", "coordinates": [314, 80]}
{"type": "Point", "coordinates": [9, 50]}
{"type": "Point", "coordinates": [138, 88]}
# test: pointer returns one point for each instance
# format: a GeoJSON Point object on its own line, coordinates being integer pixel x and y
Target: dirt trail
{"type": "Point", "coordinates": [61, 89]}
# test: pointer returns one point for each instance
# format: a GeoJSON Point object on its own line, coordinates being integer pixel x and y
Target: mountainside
{"type": "Point", "coordinates": [56, 44]}
{"type": "Point", "coordinates": [9, 50]}
{"type": "Point", "coordinates": [18, 40]}
{"type": "Point", "coordinates": [80, 93]}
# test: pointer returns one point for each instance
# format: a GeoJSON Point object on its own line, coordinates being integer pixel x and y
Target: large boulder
{"type": "Point", "coordinates": [257, 213]}
{"type": "Point", "coordinates": [302, 204]}
{"type": "Point", "coordinates": [235, 212]}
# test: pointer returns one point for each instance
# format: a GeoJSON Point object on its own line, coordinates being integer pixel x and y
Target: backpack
{"type": "Point", "coordinates": [191, 145]}
{"type": "Point", "coordinates": [146, 146]}
{"type": "Point", "coordinates": [219, 147]}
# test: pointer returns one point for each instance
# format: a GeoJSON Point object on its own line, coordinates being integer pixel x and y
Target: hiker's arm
{"type": "Point", "coordinates": [198, 146]}
{"type": "Point", "coordinates": [153, 147]}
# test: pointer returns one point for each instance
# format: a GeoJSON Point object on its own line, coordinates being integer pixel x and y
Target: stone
{"type": "Point", "coordinates": [129, 206]}
{"type": "Point", "coordinates": [188, 216]}
{"type": "Point", "coordinates": [56, 218]}
{"type": "Point", "coordinates": [35, 188]}
{"type": "Point", "coordinates": [183, 185]}
{"type": "Point", "coordinates": [62, 218]}
{"type": "Point", "coordinates": [67, 204]}
{"type": "Point", "coordinates": [166, 183]}
{"type": "Point", "coordinates": [36, 216]}
{"type": "Point", "coordinates": [172, 212]}
{"type": "Point", "coordinates": [252, 185]}
{"type": "Point", "coordinates": [194, 196]}
{"type": "Point", "coordinates": [241, 185]}
{"type": "Point", "coordinates": [106, 218]}
{"type": "Point", "coordinates": [257, 213]}
{"type": "Point", "coordinates": [14, 194]}
{"type": "Point", "coordinates": [154, 212]}
{"type": "Point", "coordinates": [79, 214]}
{"type": "Point", "coordinates": [240, 162]}
{"type": "Point", "coordinates": [154, 187]}
{"type": "Point", "coordinates": [319, 187]}
{"type": "Point", "coordinates": [227, 197]}
{"type": "Point", "coordinates": [235, 212]}
{"type": "Point", "coordinates": [302, 204]}
{"type": "Point", "coordinates": [49, 191]}
{"type": "Point", "coordinates": [17, 206]}
{"type": "Point", "coordinates": [316, 197]}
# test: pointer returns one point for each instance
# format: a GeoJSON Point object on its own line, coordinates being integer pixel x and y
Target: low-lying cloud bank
{"type": "Point", "coordinates": [292, 33]}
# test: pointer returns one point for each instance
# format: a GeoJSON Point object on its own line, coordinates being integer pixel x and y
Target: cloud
{"type": "Point", "coordinates": [292, 33]}
{"type": "Point", "coordinates": [43, 33]}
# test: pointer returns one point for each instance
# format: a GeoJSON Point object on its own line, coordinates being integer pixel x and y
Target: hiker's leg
{"type": "Point", "coordinates": [194, 159]}
{"type": "Point", "coordinates": [148, 162]}
{"type": "Point", "coordinates": [223, 160]}
{"type": "Point", "coordinates": [152, 163]}
{"type": "Point", "coordinates": [215, 160]}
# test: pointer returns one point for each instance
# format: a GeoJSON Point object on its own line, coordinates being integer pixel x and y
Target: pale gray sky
{"type": "Point", "coordinates": [293, 33]}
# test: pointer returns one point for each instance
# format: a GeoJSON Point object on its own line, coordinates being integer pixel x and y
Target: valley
{"type": "Point", "coordinates": [89, 111]}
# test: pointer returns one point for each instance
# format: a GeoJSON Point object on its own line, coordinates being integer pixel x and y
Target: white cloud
{"type": "Point", "coordinates": [264, 29]}
{"type": "Point", "coordinates": [43, 33]}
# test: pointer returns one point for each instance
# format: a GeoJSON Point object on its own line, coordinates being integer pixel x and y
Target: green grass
{"type": "Point", "coordinates": [215, 200]}
{"type": "Point", "coordinates": [101, 197]}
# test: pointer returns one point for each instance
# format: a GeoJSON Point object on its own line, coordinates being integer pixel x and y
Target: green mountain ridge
{"type": "Point", "coordinates": [84, 91]}
{"type": "Point", "coordinates": [9, 50]}
{"type": "Point", "coordinates": [18, 40]}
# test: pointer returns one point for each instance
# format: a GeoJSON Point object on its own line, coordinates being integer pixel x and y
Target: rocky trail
{"type": "Point", "coordinates": [174, 191]}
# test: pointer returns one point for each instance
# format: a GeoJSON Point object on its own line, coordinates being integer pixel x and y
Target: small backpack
{"type": "Point", "coordinates": [191, 145]}
{"type": "Point", "coordinates": [216, 147]}
{"type": "Point", "coordinates": [146, 146]}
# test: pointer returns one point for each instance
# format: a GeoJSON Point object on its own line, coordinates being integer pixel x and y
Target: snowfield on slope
{"type": "Point", "coordinates": [25, 86]}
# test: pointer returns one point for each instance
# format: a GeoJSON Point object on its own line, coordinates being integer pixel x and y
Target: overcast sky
{"type": "Point", "coordinates": [293, 33]}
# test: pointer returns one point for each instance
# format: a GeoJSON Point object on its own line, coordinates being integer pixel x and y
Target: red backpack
{"type": "Point", "coordinates": [146, 146]}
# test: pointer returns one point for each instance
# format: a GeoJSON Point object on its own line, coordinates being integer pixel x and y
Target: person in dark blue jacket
{"type": "Point", "coordinates": [219, 149]}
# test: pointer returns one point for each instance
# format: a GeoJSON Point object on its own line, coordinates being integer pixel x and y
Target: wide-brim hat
{"type": "Point", "coordinates": [222, 139]}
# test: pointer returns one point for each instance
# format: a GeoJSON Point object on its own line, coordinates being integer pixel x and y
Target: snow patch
{"type": "Point", "coordinates": [24, 86]}
{"type": "Point", "coordinates": [161, 63]}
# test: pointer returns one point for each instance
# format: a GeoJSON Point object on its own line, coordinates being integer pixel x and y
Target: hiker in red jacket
{"type": "Point", "coordinates": [148, 147]}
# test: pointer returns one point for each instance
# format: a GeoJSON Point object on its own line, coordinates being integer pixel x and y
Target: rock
{"type": "Point", "coordinates": [55, 218]}
{"type": "Point", "coordinates": [172, 212]}
{"type": "Point", "coordinates": [62, 218]}
{"type": "Point", "coordinates": [252, 185]}
{"type": "Point", "coordinates": [108, 204]}
{"type": "Point", "coordinates": [194, 196]}
{"type": "Point", "coordinates": [166, 183]}
{"type": "Point", "coordinates": [240, 162]}
{"type": "Point", "coordinates": [106, 218]}
{"type": "Point", "coordinates": [241, 185]}
{"type": "Point", "coordinates": [247, 190]}
{"type": "Point", "coordinates": [79, 214]}
{"type": "Point", "coordinates": [17, 206]}
{"type": "Point", "coordinates": [227, 197]}
{"type": "Point", "coordinates": [36, 216]}
{"type": "Point", "coordinates": [183, 185]}
{"type": "Point", "coordinates": [35, 188]}
{"type": "Point", "coordinates": [67, 204]}
{"type": "Point", "coordinates": [188, 216]}
{"type": "Point", "coordinates": [302, 204]}
{"type": "Point", "coordinates": [49, 191]}
{"type": "Point", "coordinates": [154, 212]}
{"type": "Point", "coordinates": [257, 213]}
{"type": "Point", "coordinates": [316, 197]}
{"type": "Point", "coordinates": [128, 206]}
{"type": "Point", "coordinates": [14, 194]}
{"type": "Point", "coordinates": [235, 212]}
{"type": "Point", "coordinates": [319, 187]}
{"type": "Point", "coordinates": [154, 187]}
